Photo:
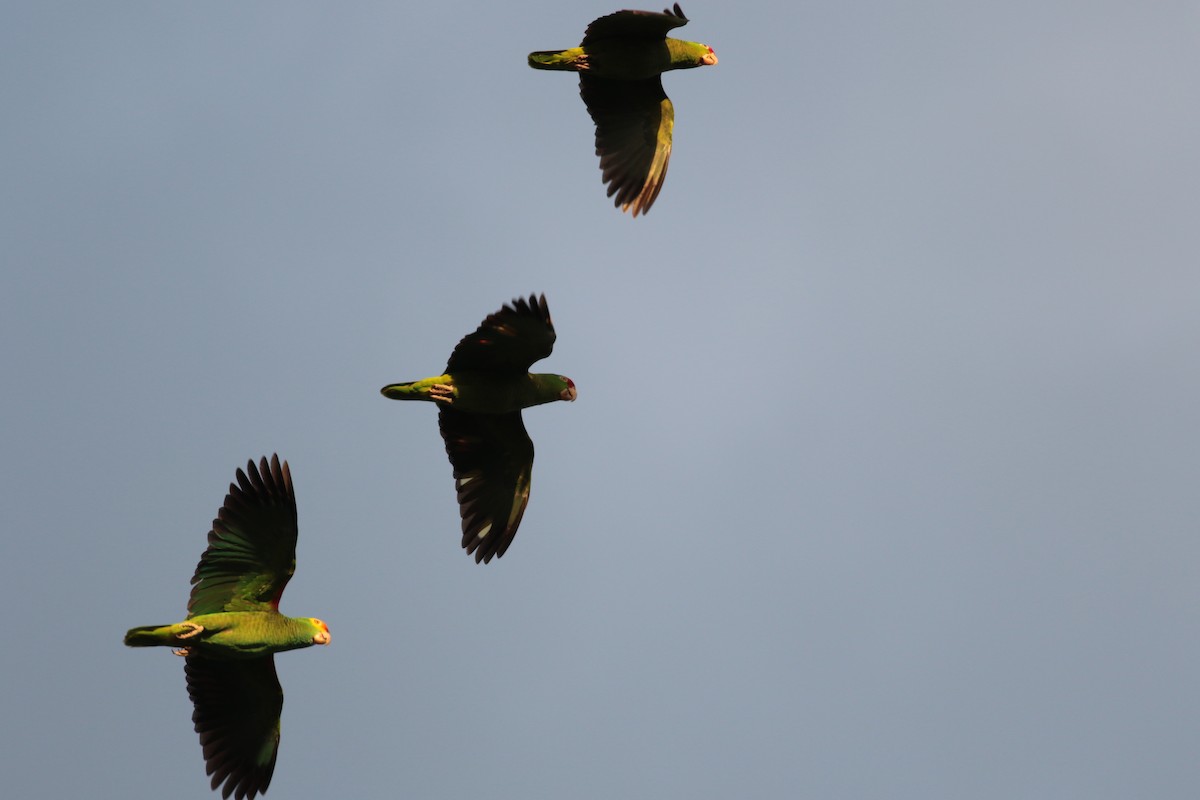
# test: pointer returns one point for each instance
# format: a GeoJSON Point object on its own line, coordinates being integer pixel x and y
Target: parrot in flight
{"type": "Point", "coordinates": [485, 385]}
{"type": "Point", "coordinates": [234, 628]}
{"type": "Point", "coordinates": [620, 63]}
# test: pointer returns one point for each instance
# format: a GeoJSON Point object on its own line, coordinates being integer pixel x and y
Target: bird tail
{"type": "Point", "coordinates": [150, 636]}
{"type": "Point", "coordinates": [552, 59]}
{"type": "Point", "coordinates": [404, 391]}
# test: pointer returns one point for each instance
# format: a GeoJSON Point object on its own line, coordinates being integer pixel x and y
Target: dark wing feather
{"type": "Point", "coordinates": [634, 126]}
{"type": "Point", "coordinates": [636, 24]}
{"type": "Point", "coordinates": [492, 457]}
{"type": "Point", "coordinates": [251, 551]}
{"type": "Point", "coordinates": [508, 341]}
{"type": "Point", "coordinates": [237, 707]}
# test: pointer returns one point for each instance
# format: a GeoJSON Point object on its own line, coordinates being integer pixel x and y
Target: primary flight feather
{"type": "Point", "coordinates": [485, 385]}
{"type": "Point", "coordinates": [620, 63]}
{"type": "Point", "coordinates": [234, 628]}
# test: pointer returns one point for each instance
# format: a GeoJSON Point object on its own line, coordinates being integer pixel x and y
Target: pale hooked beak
{"type": "Point", "coordinates": [569, 393]}
{"type": "Point", "coordinates": [322, 636]}
{"type": "Point", "coordinates": [709, 58]}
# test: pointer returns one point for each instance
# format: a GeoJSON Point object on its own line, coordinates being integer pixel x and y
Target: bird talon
{"type": "Point", "coordinates": [190, 629]}
{"type": "Point", "coordinates": [182, 651]}
{"type": "Point", "coordinates": [442, 392]}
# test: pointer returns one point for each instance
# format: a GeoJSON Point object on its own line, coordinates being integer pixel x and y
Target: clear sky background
{"type": "Point", "coordinates": [883, 477]}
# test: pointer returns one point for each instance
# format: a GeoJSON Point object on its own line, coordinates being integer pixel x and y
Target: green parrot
{"type": "Point", "coordinates": [234, 628]}
{"type": "Point", "coordinates": [480, 396]}
{"type": "Point", "coordinates": [620, 63]}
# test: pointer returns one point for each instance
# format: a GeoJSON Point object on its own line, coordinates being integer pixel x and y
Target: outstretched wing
{"type": "Point", "coordinates": [237, 707]}
{"type": "Point", "coordinates": [508, 341]}
{"type": "Point", "coordinates": [634, 125]}
{"type": "Point", "coordinates": [639, 24]}
{"type": "Point", "coordinates": [251, 551]}
{"type": "Point", "coordinates": [492, 457]}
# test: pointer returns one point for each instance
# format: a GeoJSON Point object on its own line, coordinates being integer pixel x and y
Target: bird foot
{"type": "Point", "coordinates": [442, 392]}
{"type": "Point", "coordinates": [182, 651]}
{"type": "Point", "coordinates": [188, 630]}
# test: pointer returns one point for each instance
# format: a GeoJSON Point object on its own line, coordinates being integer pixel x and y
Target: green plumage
{"type": "Point", "coordinates": [624, 58]}
{"type": "Point", "coordinates": [480, 396]}
{"type": "Point", "coordinates": [234, 628]}
{"type": "Point", "coordinates": [620, 62]}
{"type": "Point", "coordinates": [233, 635]}
{"type": "Point", "coordinates": [484, 393]}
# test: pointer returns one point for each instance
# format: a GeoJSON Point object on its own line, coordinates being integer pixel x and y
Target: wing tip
{"type": "Point", "coordinates": [536, 307]}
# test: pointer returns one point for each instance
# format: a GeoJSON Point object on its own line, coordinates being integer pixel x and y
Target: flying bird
{"type": "Point", "coordinates": [620, 63]}
{"type": "Point", "coordinates": [234, 628]}
{"type": "Point", "coordinates": [485, 385]}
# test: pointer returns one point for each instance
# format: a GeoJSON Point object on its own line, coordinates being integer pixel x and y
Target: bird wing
{"type": "Point", "coordinates": [492, 457]}
{"type": "Point", "coordinates": [634, 123]}
{"type": "Point", "coordinates": [251, 551]}
{"type": "Point", "coordinates": [237, 707]}
{"type": "Point", "coordinates": [508, 341]}
{"type": "Point", "coordinates": [638, 24]}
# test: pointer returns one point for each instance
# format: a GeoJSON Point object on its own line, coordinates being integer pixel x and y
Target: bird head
{"type": "Point", "coordinates": [569, 393]}
{"type": "Point", "coordinates": [320, 632]}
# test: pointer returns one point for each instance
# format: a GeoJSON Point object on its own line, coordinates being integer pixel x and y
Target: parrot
{"type": "Point", "coordinates": [234, 628]}
{"type": "Point", "coordinates": [485, 385]}
{"type": "Point", "coordinates": [620, 63]}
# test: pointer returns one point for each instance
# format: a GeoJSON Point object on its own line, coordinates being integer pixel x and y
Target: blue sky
{"type": "Point", "coordinates": [882, 477]}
